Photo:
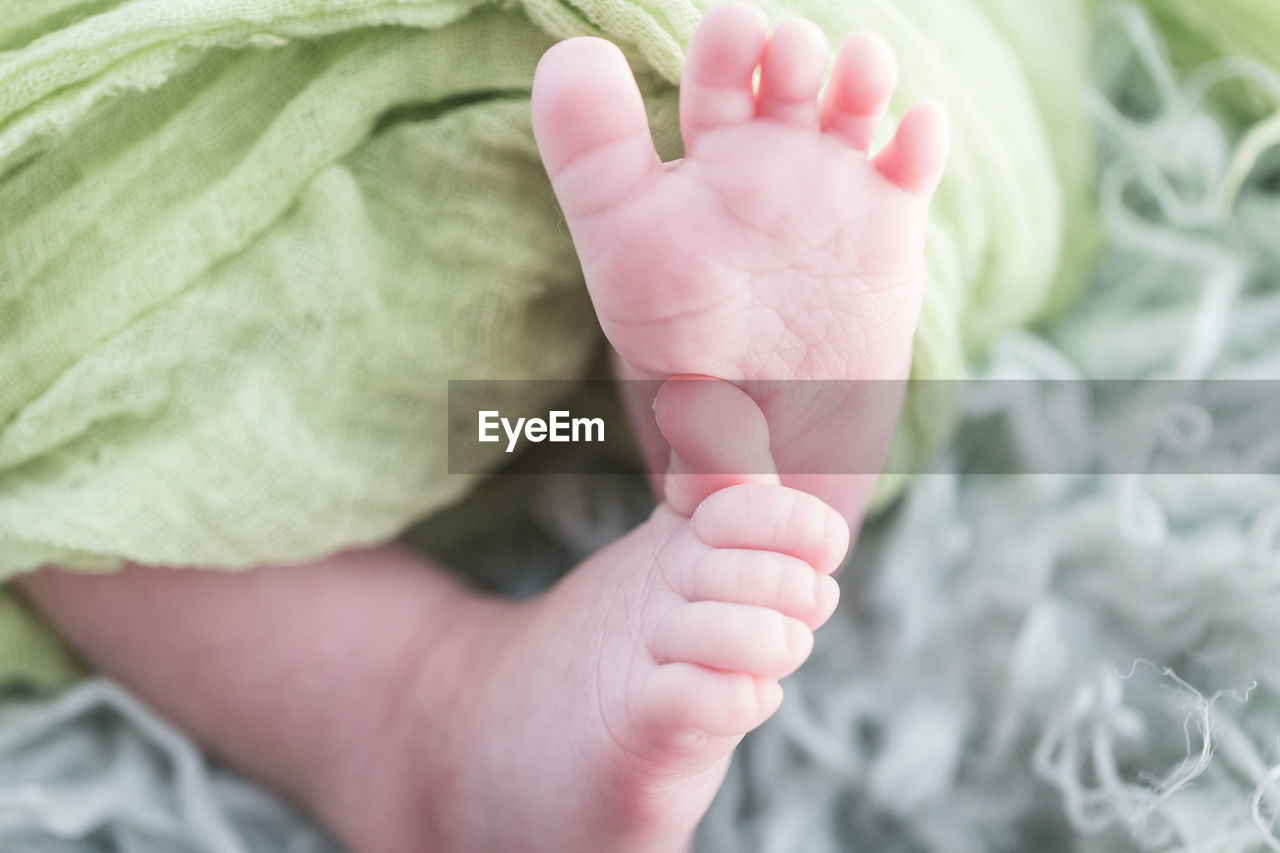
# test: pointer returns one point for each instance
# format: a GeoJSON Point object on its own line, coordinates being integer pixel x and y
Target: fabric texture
{"type": "Point", "coordinates": [244, 245]}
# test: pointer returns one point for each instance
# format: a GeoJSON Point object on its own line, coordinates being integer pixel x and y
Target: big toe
{"type": "Point", "coordinates": [590, 125]}
{"type": "Point", "coordinates": [718, 438]}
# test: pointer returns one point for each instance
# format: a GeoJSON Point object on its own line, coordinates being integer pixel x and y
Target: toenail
{"type": "Point", "coordinates": [799, 638]}
{"type": "Point", "coordinates": [837, 535]}
{"type": "Point", "coordinates": [768, 693]}
{"type": "Point", "coordinates": [820, 592]}
{"type": "Point", "coordinates": [826, 593]}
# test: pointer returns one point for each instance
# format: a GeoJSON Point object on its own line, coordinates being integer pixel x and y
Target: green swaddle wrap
{"type": "Point", "coordinates": [243, 247]}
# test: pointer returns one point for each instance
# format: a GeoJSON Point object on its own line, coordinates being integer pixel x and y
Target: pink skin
{"type": "Point", "coordinates": [414, 715]}
{"type": "Point", "coordinates": [777, 248]}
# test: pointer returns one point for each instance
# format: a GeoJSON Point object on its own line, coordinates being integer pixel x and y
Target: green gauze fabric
{"type": "Point", "coordinates": [244, 245]}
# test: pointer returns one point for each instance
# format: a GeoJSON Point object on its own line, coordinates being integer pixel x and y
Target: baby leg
{"type": "Point", "coordinates": [296, 675]}
{"type": "Point", "coordinates": [414, 715]}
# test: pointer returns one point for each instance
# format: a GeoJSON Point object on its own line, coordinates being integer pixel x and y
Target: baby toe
{"type": "Point", "coordinates": [764, 579]}
{"type": "Point", "coordinates": [682, 698]}
{"type": "Point", "coordinates": [791, 72]}
{"type": "Point", "coordinates": [762, 517]}
{"type": "Point", "coordinates": [732, 637]}
{"type": "Point", "coordinates": [717, 89]}
{"type": "Point", "coordinates": [590, 125]}
{"type": "Point", "coordinates": [862, 81]}
{"type": "Point", "coordinates": [717, 435]}
{"type": "Point", "coordinates": [915, 157]}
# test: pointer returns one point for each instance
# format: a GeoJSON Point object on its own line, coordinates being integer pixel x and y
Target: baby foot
{"type": "Point", "coordinates": [602, 715]}
{"type": "Point", "coordinates": [777, 248]}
